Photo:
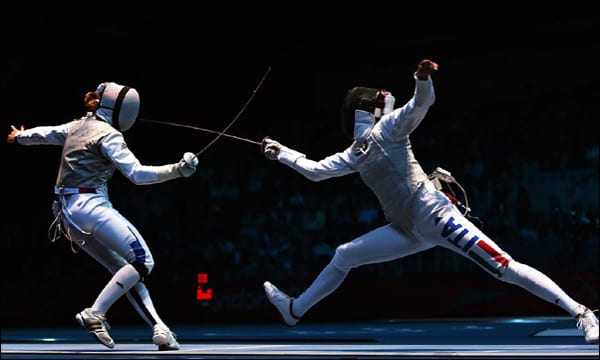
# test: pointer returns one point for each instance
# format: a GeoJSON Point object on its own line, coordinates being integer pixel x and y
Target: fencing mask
{"type": "Point", "coordinates": [118, 105]}
{"type": "Point", "coordinates": [360, 100]}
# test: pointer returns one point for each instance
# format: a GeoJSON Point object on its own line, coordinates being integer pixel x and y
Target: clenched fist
{"type": "Point", "coordinates": [187, 165]}
{"type": "Point", "coordinates": [425, 68]}
{"type": "Point", "coordinates": [270, 148]}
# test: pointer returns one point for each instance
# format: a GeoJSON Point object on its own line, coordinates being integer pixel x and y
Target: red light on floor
{"type": "Point", "coordinates": [202, 294]}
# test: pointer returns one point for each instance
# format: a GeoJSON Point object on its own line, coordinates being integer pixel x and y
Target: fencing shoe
{"type": "Point", "coordinates": [164, 338]}
{"type": "Point", "coordinates": [588, 323]}
{"type": "Point", "coordinates": [98, 326]}
{"type": "Point", "coordinates": [282, 302]}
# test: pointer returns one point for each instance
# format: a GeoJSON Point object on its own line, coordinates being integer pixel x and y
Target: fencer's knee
{"type": "Point", "coordinates": [340, 258]}
{"type": "Point", "coordinates": [511, 272]}
{"type": "Point", "coordinates": [143, 269]}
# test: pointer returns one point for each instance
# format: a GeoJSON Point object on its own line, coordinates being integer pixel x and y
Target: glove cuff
{"type": "Point", "coordinates": [289, 156]}
{"type": "Point", "coordinates": [185, 171]}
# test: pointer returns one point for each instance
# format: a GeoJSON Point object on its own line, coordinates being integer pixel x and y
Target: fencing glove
{"type": "Point", "coordinates": [187, 165]}
{"type": "Point", "coordinates": [270, 148]}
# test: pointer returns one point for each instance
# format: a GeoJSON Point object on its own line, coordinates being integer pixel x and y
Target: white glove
{"type": "Point", "coordinates": [187, 165]}
{"type": "Point", "coordinates": [270, 148]}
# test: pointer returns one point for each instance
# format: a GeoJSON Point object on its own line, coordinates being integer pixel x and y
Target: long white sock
{"type": "Point", "coordinates": [327, 282]}
{"type": "Point", "coordinates": [139, 297]}
{"type": "Point", "coordinates": [123, 280]}
{"type": "Point", "coordinates": [540, 285]}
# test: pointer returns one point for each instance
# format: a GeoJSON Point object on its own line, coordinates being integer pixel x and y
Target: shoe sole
{"type": "Point", "coordinates": [167, 347]}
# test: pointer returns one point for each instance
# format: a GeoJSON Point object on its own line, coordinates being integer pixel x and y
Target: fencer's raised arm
{"type": "Point", "coordinates": [404, 120]}
{"type": "Point", "coordinates": [335, 165]}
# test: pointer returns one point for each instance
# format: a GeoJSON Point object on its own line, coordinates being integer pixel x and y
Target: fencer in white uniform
{"type": "Point", "coordinates": [93, 148]}
{"type": "Point", "coordinates": [420, 216]}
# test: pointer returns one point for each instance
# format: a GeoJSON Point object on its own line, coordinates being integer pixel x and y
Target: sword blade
{"type": "Point", "coordinates": [202, 129]}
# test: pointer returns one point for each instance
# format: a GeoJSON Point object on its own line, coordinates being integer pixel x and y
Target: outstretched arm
{"type": "Point", "coordinates": [114, 148]}
{"type": "Point", "coordinates": [332, 166]}
{"type": "Point", "coordinates": [41, 135]}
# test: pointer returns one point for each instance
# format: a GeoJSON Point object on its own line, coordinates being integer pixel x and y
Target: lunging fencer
{"type": "Point", "coordinates": [420, 214]}
{"type": "Point", "coordinates": [93, 147]}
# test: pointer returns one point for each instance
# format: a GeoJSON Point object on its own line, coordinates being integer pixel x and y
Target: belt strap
{"type": "Point", "coordinates": [69, 191]}
{"type": "Point", "coordinates": [87, 190]}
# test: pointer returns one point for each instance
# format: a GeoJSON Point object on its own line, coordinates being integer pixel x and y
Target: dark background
{"type": "Point", "coordinates": [513, 87]}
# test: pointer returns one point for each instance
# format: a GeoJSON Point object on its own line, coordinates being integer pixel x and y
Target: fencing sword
{"type": "Point", "coordinates": [220, 133]}
{"type": "Point", "coordinates": [223, 132]}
